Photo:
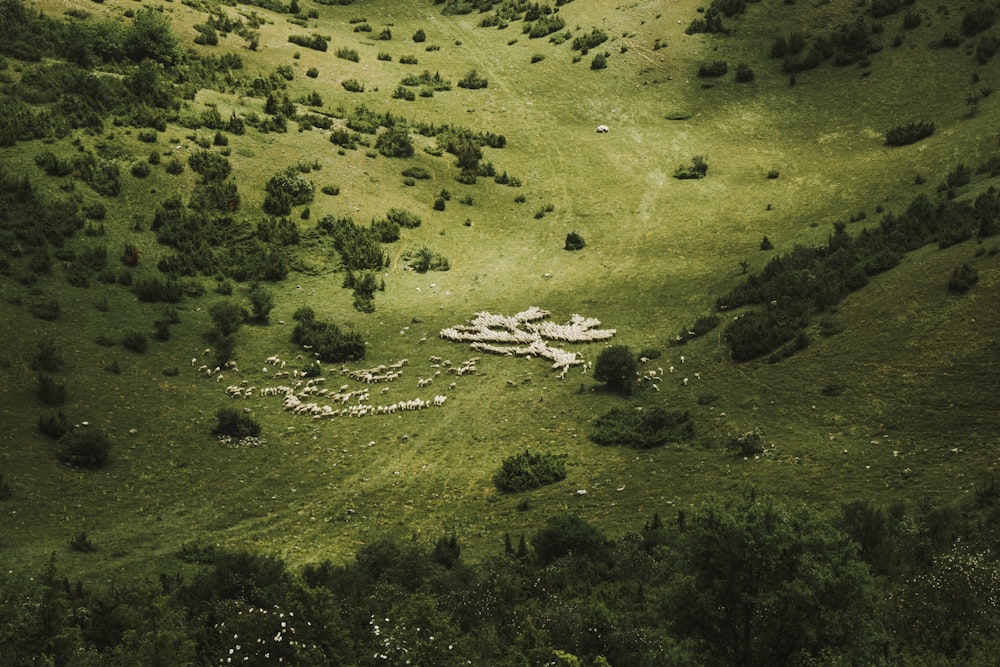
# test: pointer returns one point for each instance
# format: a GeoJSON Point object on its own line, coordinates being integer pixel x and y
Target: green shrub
{"type": "Point", "coordinates": [584, 43]}
{"type": "Point", "coordinates": [574, 242]}
{"type": "Point", "coordinates": [175, 167]}
{"type": "Point", "coordinates": [403, 93]}
{"type": "Point", "coordinates": [417, 172]}
{"type": "Point", "coordinates": [80, 541]}
{"type": "Point", "coordinates": [765, 244]}
{"type": "Point", "coordinates": [902, 135]}
{"type": "Point", "coordinates": [211, 166]}
{"type": "Point", "coordinates": [744, 73]}
{"type": "Point", "coordinates": [977, 20]}
{"type": "Point", "coordinates": [152, 290]}
{"type": "Point", "coordinates": [43, 308]}
{"type": "Point", "coordinates": [227, 316]}
{"type": "Point", "coordinates": [408, 60]}
{"type": "Point", "coordinates": [697, 169]}
{"type": "Point", "coordinates": [748, 444]}
{"type": "Point", "coordinates": [353, 86]}
{"type": "Point", "coordinates": [714, 69]}
{"type": "Point", "coordinates": [332, 190]}
{"type": "Point", "coordinates": [643, 428]}
{"type": "Point", "coordinates": [314, 41]}
{"type": "Point", "coordinates": [349, 54]}
{"type": "Point", "coordinates": [328, 342]}
{"type": "Point", "coordinates": [616, 366]}
{"type": "Point", "coordinates": [527, 471]}
{"type": "Point", "coordinates": [147, 136]}
{"type": "Point", "coordinates": [47, 357]}
{"type": "Point", "coordinates": [140, 169]}
{"type": "Point", "coordinates": [54, 425]}
{"type": "Point", "coordinates": [962, 279]}
{"type": "Point", "coordinates": [419, 35]}
{"type": "Point", "coordinates": [261, 303]}
{"type": "Point", "coordinates": [403, 218]}
{"type": "Point", "coordinates": [472, 80]}
{"type": "Point", "coordinates": [50, 391]}
{"type": "Point", "coordinates": [600, 61]}
{"type": "Point", "coordinates": [85, 446]}
{"type": "Point", "coordinates": [383, 56]}
{"type": "Point", "coordinates": [135, 341]}
{"type": "Point", "coordinates": [394, 142]}
{"type": "Point", "coordinates": [233, 423]}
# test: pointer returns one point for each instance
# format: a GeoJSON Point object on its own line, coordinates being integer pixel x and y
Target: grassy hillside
{"type": "Point", "coordinates": [900, 404]}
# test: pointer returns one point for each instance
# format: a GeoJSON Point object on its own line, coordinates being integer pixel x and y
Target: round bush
{"type": "Point", "coordinates": [84, 447]}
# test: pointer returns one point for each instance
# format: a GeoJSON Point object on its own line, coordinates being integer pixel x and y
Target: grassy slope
{"type": "Point", "coordinates": [915, 365]}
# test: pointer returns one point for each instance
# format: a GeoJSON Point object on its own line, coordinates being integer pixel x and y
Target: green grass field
{"type": "Point", "coordinates": [918, 414]}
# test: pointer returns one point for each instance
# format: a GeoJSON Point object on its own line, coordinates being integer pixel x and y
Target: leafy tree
{"type": "Point", "coordinates": [150, 37]}
{"type": "Point", "coordinates": [616, 366]}
{"type": "Point", "coordinates": [764, 583]}
{"type": "Point", "coordinates": [261, 303]}
{"type": "Point", "coordinates": [227, 316]}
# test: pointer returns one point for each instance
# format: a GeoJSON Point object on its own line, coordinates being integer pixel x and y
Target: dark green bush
{"type": "Point", "coordinates": [227, 316]}
{"type": "Point", "coordinates": [585, 42]}
{"type": "Point", "coordinates": [43, 308]}
{"type": "Point", "coordinates": [744, 73]}
{"type": "Point", "coordinates": [211, 166]}
{"type": "Point", "coordinates": [353, 86]}
{"type": "Point", "coordinates": [50, 391]}
{"type": "Point", "coordinates": [152, 290]}
{"type": "Point", "coordinates": [419, 35]}
{"type": "Point", "coordinates": [697, 169]}
{"type": "Point", "coordinates": [140, 169]}
{"type": "Point", "coordinates": [642, 428]}
{"type": "Point", "coordinates": [135, 341]}
{"type": "Point", "coordinates": [261, 303]}
{"type": "Point", "coordinates": [600, 61]}
{"type": "Point", "coordinates": [527, 471]}
{"type": "Point", "coordinates": [82, 543]}
{"type": "Point", "coordinates": [977, 20]}
{"type": "Point", "coordinates": [473, 80]}
{"type": "Point", "coordinates": [962, 279]}
{"type": "Point", "coordinates": [747, 444]}
{"type": "Point", "coordinates": [328, 342]}
{"type": "Point", "coordinates": [574, 242]}
{"type": "Point", "coordinates": [902, 135]}
{"type": "Point", "coordinates": [394, 142]}
{"type": "Point", "coordinates": [314, 41]}
{"type": "Point", "coordinates": [616, 366]}
{"type": "Point", "coordinates": [233, 423]}
{"type": "Point", "coordinates": [85, 446]}
{"type": "Point", "coordinates": [567, 535]}
{"type": "Point", "coordinates": [403, 218]}
{"type": "Point", "coordinates": [349, 54]}
{"type": "Point", "coordinates": [54, 425]}
{"type": "Point", "coordinates": [47, 357]}
{"type": "Point", "coordinates": [714, 69]}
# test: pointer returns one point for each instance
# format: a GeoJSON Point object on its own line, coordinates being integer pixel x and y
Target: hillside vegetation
{"type": "Point", "coordinates": [499, 332]}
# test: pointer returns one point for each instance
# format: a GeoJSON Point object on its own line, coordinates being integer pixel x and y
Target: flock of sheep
{"type": "Point", "coordinates": [525, 334]}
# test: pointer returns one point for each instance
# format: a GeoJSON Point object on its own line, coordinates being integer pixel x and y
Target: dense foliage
{"type": "Point", "coordinates": [642, 427]}
{"type": "Point", "coordinates": [529, 470]}
{"type": "Point", "coordinates": [325, 339]}
{"type": "Point", "coordinates": [742, 579]}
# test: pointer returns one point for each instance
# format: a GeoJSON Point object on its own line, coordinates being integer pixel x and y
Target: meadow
{"type": "Point", "coordinates": [898, 404]}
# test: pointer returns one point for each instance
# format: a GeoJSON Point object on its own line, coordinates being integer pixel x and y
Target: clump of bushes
{"type": "Point", "coordinates": [424, 260]}
{"type": "Point", "coordinates": [353, 86]}
{"type": "Point", "coordinates": [84, 446]}
{"type": "Point", "coordinates": [714, 69]}
{"type": "Point", "coordinates": [47, 357]}
{"type": "Point", "coordinates": [403, 218]}
{"type": "Point", "coordinates": [747, 444]}
{"type": "Point", "coordinates": [328, 342]}
{"type": "Point", "coordinates": [902, 135]}
{"type": "Point", "coordinates": [697, 169]}
{"type": "Point", "coordinates": [55, 425]}
{"type": "Point", "coordinates": [314, 41]}
{"type": "Point", "coordinates": [135, 341]}
{"type": "Point", "coordinates": [527, 471]}
{"type": "Point", "coordinates": [349, 54]}
{"type": "Point", "coordinates": [642, 429]}
{"type": "Point", "coordinates": [285, 189]}
{"type": "Point", "coordinates": [962, 279]}
{"type": "Point", "coordinates": [473, 80]}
